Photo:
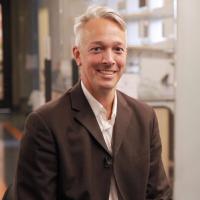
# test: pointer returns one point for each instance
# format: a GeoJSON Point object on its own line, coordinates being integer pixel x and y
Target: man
{"type": "Point", "coordinates": [94, 142]}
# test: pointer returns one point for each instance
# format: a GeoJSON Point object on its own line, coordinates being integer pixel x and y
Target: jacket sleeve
{"type": "Point", "coordinates": [158, 187]}
{"type": "Point", "coordinates": [36, 175]}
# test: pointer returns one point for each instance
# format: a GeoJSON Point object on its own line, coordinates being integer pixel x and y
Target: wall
{"type": "Point", "coordinates": [187, 137]}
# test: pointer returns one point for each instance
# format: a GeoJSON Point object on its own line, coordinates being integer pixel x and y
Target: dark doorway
{"type": "Point", "coordinates": [5, 55]}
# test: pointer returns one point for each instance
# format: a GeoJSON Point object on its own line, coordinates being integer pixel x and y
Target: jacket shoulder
{"type": "Point", "coordinates": [53, 112]}
{"type": "Point", "coordinates": [54, 106]}
{"type": "Point", "coordinates": [136, 105]}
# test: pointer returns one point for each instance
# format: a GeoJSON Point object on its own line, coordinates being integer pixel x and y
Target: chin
{"type": "Point", "coordinates": [107, 86]}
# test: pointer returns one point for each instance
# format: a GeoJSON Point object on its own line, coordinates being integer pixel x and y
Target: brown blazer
{"type": "Point", "coordinates": [63, 155]}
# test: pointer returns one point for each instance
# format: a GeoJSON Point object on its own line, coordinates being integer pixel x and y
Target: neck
{"type": "Point", "coordinates": [106, 99]}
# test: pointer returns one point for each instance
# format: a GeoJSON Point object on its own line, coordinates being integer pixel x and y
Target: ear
{"type": "Point", "coordinates": [76, 53]}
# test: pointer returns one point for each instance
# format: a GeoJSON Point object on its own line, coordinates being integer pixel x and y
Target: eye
{"type": "Point", "coordinates": [96, 49]}
{"type": "Point", "coordinates": [119, 50]}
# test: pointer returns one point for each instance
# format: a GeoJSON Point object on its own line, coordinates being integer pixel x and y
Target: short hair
{"type": "Point", "coordinates": [96, 12]}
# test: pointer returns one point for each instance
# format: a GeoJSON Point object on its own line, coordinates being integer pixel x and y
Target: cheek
{"type": "Point", "coordinates": [121, 63]}
{"type": "Point", "coordinates": [91, 60]}
{"type": "Point", "coordinates": [95, 59]}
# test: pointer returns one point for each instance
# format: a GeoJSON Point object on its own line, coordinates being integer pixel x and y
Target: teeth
{"type": "Point", "coordinates": [107, 72]}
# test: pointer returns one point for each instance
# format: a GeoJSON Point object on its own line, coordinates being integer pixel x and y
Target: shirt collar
{"type": "Point", "coordinates": [97, 107]}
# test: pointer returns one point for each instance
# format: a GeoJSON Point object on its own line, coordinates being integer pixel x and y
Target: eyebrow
{"type": "Point", "coordinates": [102, 43]}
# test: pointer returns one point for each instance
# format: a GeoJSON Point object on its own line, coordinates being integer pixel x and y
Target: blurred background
{"type": "Point", "coordinates": [36, 65]}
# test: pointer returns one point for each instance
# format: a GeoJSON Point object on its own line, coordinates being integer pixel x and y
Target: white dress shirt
{"type": "Point", "coordinates": [106, 127]}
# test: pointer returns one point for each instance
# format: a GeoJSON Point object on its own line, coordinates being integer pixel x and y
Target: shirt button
{"type": "Point", "coordinates": [107, 162]}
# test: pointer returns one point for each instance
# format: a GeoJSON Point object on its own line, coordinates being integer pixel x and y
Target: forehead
{"type": "Point", "coordinates": [102, 21]}
{"type": "Point", "coordinates": [101, 29]}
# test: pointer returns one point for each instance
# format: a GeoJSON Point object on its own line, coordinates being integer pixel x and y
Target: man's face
{"type": "Point", "coordinates": [101, 55]}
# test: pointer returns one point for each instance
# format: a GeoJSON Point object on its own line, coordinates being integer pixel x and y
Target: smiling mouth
{"type": "Point", "coordinates": [107, 72]}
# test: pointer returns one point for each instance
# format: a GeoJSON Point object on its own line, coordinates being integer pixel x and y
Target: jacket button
{"type": "Point", "coordinates": [107, 162]}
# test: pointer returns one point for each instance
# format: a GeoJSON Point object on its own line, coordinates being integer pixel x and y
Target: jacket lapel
{"type": "Point", "coordinates": [122, 122]}
{"type": "Point", "coordinates": [85, 116]}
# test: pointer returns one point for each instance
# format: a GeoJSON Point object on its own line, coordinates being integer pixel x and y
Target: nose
{"type": "Point", "coordinates": [108, 57]}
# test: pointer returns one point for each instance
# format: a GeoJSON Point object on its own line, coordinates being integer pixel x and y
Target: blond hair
{"type": "Point", "coordinates": [96, 12]}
